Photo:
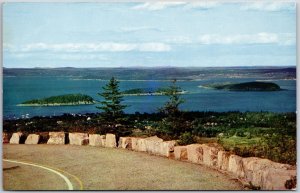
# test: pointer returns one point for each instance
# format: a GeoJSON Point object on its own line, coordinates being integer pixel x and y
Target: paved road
{"type": "Point", "coordinates": [96, 168]}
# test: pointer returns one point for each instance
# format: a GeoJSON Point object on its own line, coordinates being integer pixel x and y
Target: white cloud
{"type": "Point", "coordinates": [96, 47]}
{"type": "Point", "coordinates": [259, 38]}
{"type": "Point", "coordinates": [153, 6]}
{"type": "Point", "coordinates": [202, 5]}
{"type": "Point", "coordinates": [141, 28]}
{"type": "Point", "coordinates": [269, 6]}
{"type": "Point", "coordinates": [179, 40]}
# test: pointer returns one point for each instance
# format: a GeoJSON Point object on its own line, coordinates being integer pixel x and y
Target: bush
{"type": "Point", "coordinates": [186, 139]}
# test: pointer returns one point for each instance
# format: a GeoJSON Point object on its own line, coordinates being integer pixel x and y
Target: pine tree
{"type": "Point", "coordinates": [174, 123]}
{"type": "Point", "coordinates": [111, 105]}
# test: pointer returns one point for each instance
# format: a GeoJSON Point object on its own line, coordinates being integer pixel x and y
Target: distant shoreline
{"type": "Point", "coordinates": [56, 104]}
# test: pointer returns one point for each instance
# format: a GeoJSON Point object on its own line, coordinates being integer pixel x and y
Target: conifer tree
{"type": "Point", "coordinates": [173, 123]}
{"type": "Point", "coordinates": [111, 105]}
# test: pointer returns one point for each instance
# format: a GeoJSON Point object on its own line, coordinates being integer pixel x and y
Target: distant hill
{"type": "Point", "coordinates": [167, 73]}
{"type": "Point", "coordinates": [246, 86]}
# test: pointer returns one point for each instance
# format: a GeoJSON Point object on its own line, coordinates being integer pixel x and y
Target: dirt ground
{"type": "Point", "coordinates": [96, 168]}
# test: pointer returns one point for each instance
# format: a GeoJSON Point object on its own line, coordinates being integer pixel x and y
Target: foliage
{"type": "Point", "coordinates": [186, 138]}
{"type": "Point", "coordinates": [173, 123]}
{"type": "Point", "coordinates": [246, 86]}
{"type": "Point", "coordinates": [63, 99]}
{"type": "Point", "coordinates": [111, 105]}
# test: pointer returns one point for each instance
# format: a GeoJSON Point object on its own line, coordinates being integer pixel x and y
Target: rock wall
{"type": "Point", "coordinates": [110, 140]}
{"type": "Point", "coordinates": [262, 173]}
{"type": "Point", "coordinates": [15, 138]}
{"type": "Point", "coordinates": [32, 139]}
{"type": "Point", "coordinates": [97, 140]}
{"type": "Point", "coordinates": [78, 138]}
{"type": "Point", "coordinates": [56, 138]}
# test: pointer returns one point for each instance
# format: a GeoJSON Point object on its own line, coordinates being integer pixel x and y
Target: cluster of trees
{"type": "Point", "coordinates": [62, 99]}
{"type": "Point", "coordinates": [277, 132]}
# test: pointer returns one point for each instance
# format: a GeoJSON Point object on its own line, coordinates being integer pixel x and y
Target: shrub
{"type": "Point", "coordinates": [186, 138]}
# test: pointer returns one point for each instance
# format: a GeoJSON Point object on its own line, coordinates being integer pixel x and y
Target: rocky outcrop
{"type": "Point", "coordinates": [210, 154]}
{"type": "Point", "coordinates": [56, 138]}
{"type": "Point", "coordinates": [167, 148]}
{"type": "Point", "coordinates": [153, 144]}
{"type": "Point", "coordinates": [78, 138]}
{"type": "Point", "coordinates": [223, 160]}
{"type": "Point", "coordinates": [138, 144]}
{"type": "Point", "coordinates": [278, 179]}
{"type": "Point", "coordinates": [235, 166]}
{"type": "Point", "coordinates": [258, 171]}
{"type": "Point", "coordinates": [195, 153]}
{"type": "Point", "coordinates": [97, 140]}
{"type": "Point", "coordinates": [110, 140]}
{"type": "Point", "coordinates": [15, 138]}
{"type": "Point", "coordinates": [32, 139]}
{"type": "Point", "coordinates": [125, 143]}
{"type": "Point", "coordinates": [180, 152]}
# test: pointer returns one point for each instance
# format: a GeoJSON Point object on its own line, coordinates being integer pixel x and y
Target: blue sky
{"type": "Point", "coordinates": [149, 34]}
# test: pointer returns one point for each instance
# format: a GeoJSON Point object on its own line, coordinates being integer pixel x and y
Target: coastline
{"type": "Point", "coordinates": [56, 104]}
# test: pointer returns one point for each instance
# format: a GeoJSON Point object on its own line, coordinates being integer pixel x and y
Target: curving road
{"type": "Point", "coordinates": [96, 168]}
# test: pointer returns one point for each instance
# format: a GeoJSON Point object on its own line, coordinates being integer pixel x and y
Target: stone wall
{"type": "Point", "coordinates": [257, 172]}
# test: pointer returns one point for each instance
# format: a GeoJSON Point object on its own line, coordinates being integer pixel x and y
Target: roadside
{"type": "Point", "coordinates": [108, 169]}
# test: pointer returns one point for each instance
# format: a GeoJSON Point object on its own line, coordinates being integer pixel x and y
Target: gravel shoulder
{"type": "Point", "coordinates": [106, 169]}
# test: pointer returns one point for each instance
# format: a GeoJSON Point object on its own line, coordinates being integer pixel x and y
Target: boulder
{"type": "Point", "coordinates": [15, 138]}
{"type": "Point", "coordinates": [180, 152]}
{"type": "Point", "coordinates": [78, 138]}
{"type": "Point", "coordinates": [32, 139]}
{"type": "Point", "coordinates": [125, 143]}
{"type": "Point", "coordinates": [141, 145]}
{"type": "Point", "coordinates": [195, 153]}
{"type": "Point", "coordinates": [210, 154]}
{"type": "Point", "coordinates": [235, 166]}
{"type": "Point", "coordinates": [278, 179]}
{"type": "Point", "coordinates": [167, 148]}
{"type": "Point", "coordinates": [223, 160]}
{"type": "Point", "coordinates": [110, 140]}
{"type": "Point", "coordinates": [6, 137]}
{"type": "Point", "coordinates": [254, 169]}
{"type": "Point", "coordinates": [56, 138]}
{"type": "Point", "coordinates": [97, 140]}
{"type": "Point", "coordinates": [134, 143]}
{"type": "Point", "coordinates": [153, 144]}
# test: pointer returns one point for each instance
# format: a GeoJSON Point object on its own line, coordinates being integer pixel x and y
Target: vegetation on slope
{"type": "Point", "coordinates": [148, 91]}
{"type": "Point", "coordinates": [246, 86]}
{"type": "Point", "coordinates": [68, 99]}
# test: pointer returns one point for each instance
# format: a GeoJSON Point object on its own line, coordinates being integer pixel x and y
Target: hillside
{"type": "Point", "coordinates": [246, 86]}
{"type": "Point", "coordinates": [68, 99]}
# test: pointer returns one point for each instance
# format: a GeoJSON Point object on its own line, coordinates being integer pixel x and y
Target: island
{"type": "Point", "coordinates": [246, 86]}
{"type": "Point", "coordinates": [148, 92]}
{"type": "Point", "coordinates": [61, 100]}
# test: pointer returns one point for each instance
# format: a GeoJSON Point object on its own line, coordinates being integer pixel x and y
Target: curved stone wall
{"type": "Point", "coordinates": [257, 172]}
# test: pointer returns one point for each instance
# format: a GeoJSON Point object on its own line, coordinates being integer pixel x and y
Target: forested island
{"type": "Point", "coordinates": [148, 91]}
{"type": "Point", "coordinates": [68, 99]}
{"type": "Point", "coordinates": [246, 86]}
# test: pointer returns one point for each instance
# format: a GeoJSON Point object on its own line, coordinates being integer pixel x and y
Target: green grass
{"type": "Point", "coordinates": [236, 141]}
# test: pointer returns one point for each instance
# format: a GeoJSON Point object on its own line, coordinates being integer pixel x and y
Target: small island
{"type": "Point", "coordinates": [61, 100]}
{"type": "Point", "coordinates": [246, 86]}
{"type": "Point", "coordinates": [148, 92]}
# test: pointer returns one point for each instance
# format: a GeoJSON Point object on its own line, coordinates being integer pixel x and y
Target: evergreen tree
{"type": "Point", "coordinates": [174, 123]}
{"type": "Point", "coordinates": [111, 105]}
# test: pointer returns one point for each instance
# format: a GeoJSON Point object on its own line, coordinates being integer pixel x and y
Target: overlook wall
{"type": "Point", "coordinates": [256, 172]}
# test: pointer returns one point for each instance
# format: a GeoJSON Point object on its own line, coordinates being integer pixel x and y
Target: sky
{"type": "Point", "coordinates": [149, 34]}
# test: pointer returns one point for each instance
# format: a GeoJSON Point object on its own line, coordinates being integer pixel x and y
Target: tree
{"type": "Point", "coordinates": [174, 123]}
{"type": "Point", "coordinates": [111, 105]}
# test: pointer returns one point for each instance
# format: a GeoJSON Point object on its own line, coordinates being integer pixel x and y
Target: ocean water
{"type": "Point", "coordinates": [19, 89]}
